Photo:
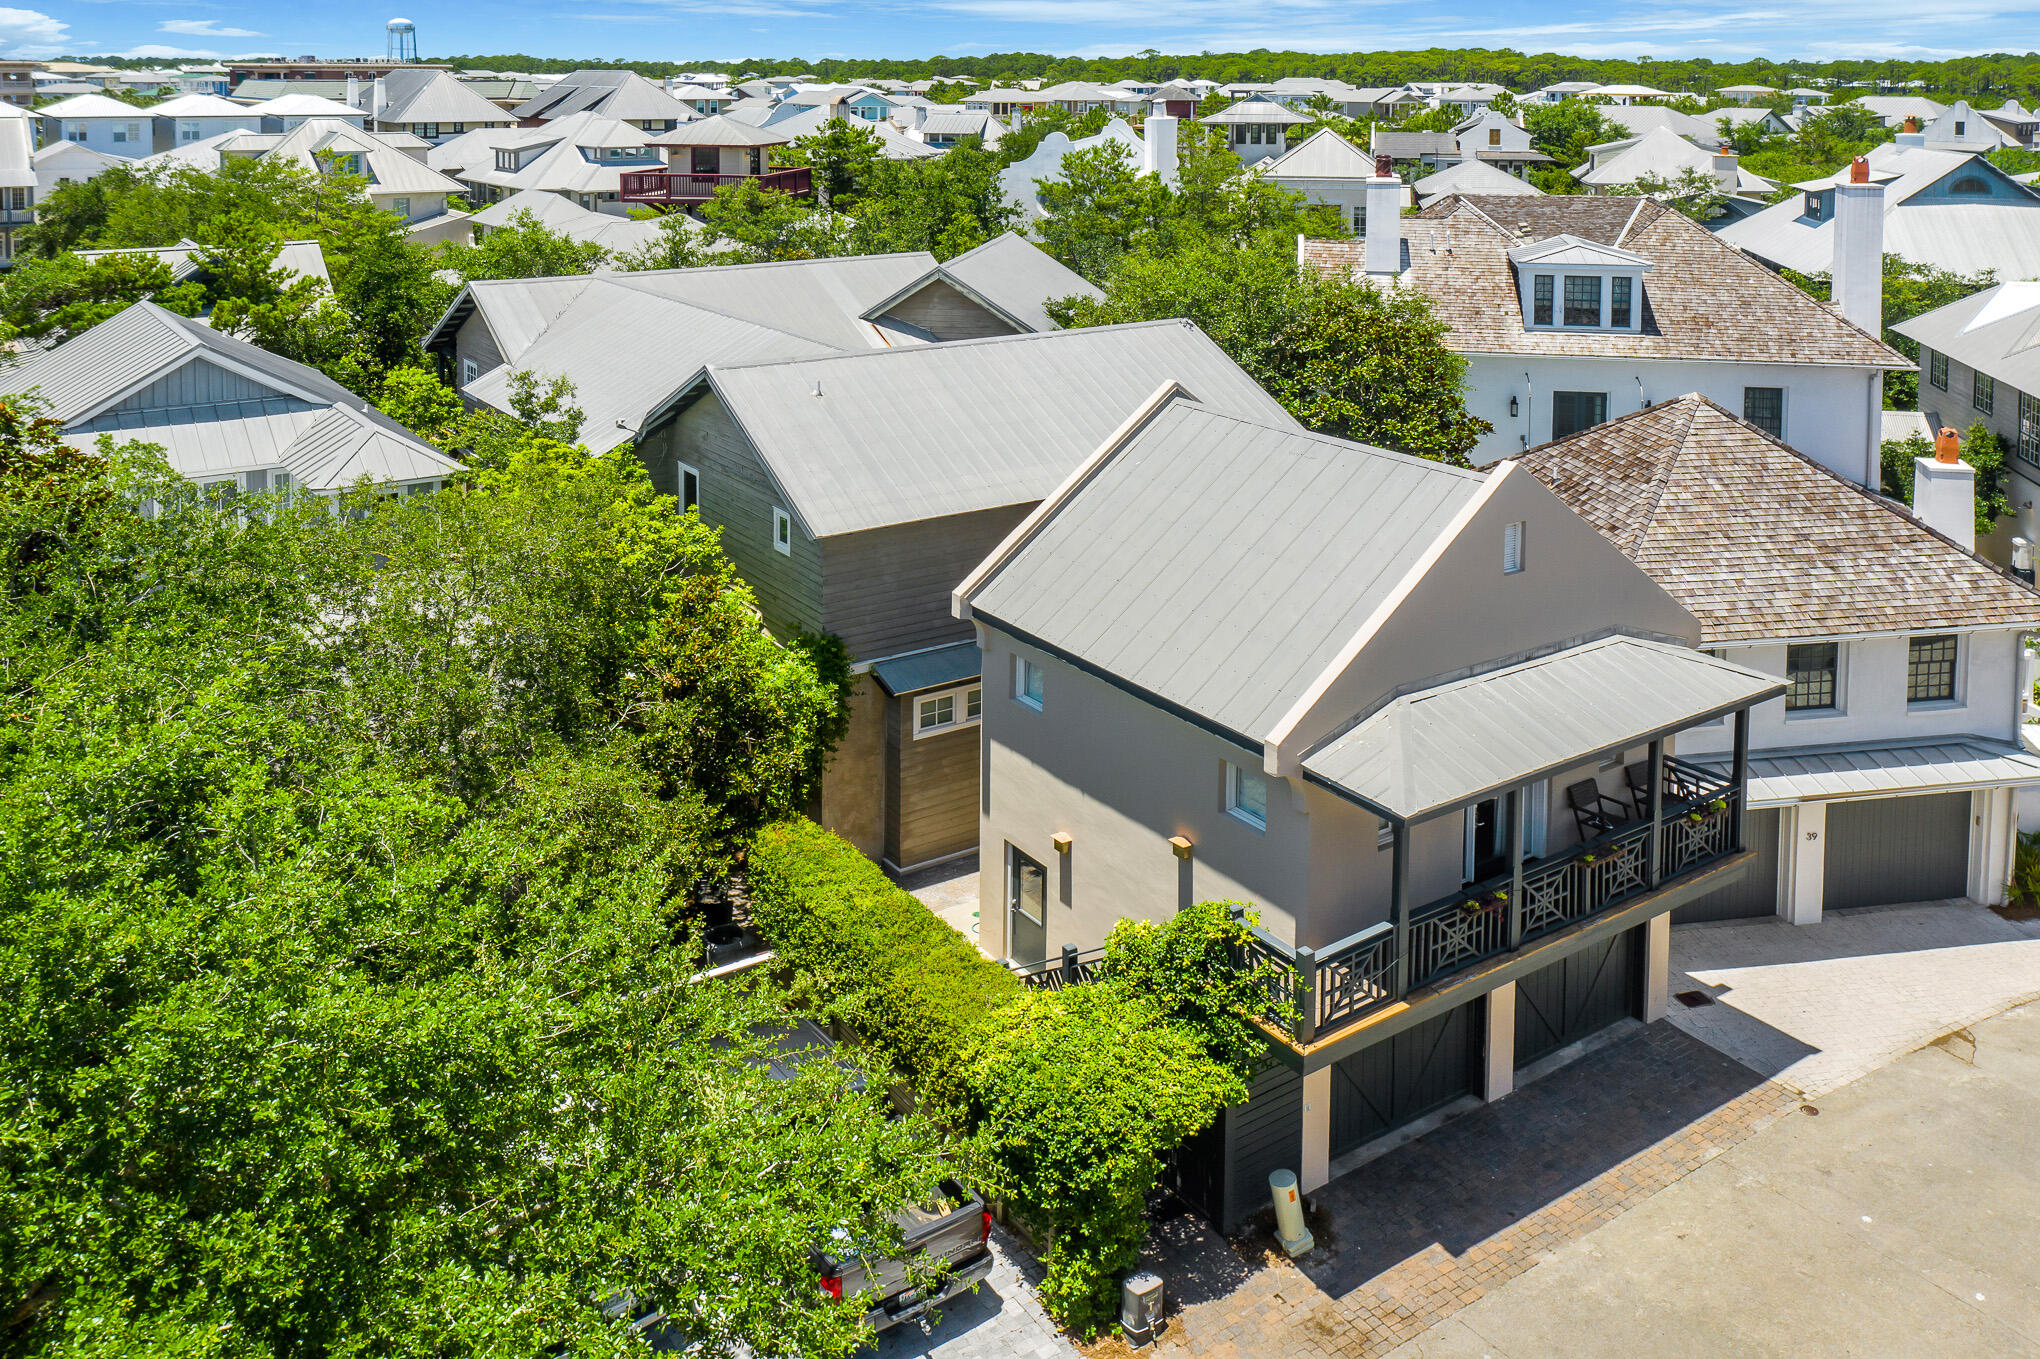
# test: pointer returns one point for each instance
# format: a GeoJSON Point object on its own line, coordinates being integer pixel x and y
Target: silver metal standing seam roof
{"type": "Point", "coordinates": [865, 441]}
{"type": "Point", "coordinates": [933, 669]}
{"type": "Point", "coordinates": [1996, 331]}
{"type": "Point", "coordinates": [1444, 747]}
{"type": "Point", "coordinates": [1890, 770]}
{"type": "Point", "coordinates": [434, 97]}
{"type": "Point", "coordinates": [1018, 277]}
{"type": "Point", "coordinates": [1221, 561]}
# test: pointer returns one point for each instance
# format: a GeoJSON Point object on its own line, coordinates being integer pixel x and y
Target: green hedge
{"type": "Point", "coordinates": [915, 988]}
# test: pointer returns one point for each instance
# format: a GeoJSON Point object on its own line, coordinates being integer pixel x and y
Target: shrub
{"type": "Point", "coordinates": [1080, 1094]}
{"type": "Point", "coordinates": [1186, 967]}
{"type": "Point", "coordinates": [915, 988]}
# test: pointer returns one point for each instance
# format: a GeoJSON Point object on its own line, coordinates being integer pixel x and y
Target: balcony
{"type": "Point", "coordinates": [1698, 825]}
{"type": "Point", "coordinates": [656, 188]}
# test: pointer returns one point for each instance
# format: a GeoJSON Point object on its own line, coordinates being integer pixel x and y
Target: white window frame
{"type": "Point", "coordinates": [960, 715]}
{"type": "Point", "coordinates": [1235, 777]}
{"type": "Point", "coordinates": [470, 369]}
{"type": "Point", "coordinates": [401, 206]}
{"type": "Point", "coordinates": [683, 472]}
{"type": "Point", "coordinates": [1514, 535]}
{"type": "Point", "coordinates": [1022, 669]}
{"type": "Point", "coordinates": [782, 532]}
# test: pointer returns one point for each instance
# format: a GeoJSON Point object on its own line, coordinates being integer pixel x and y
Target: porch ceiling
{"type": "Point", "coordinates": [1442, 748]}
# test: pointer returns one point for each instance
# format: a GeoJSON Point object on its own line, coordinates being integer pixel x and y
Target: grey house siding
{"type": "Point", "coordinates": [473, 341]}
{"type": "Point", "coordinates": [1261, 1136]}
{"type": "Point", "coordinates": [931, 801]}
{"type": "Point", "coordinates": [947, 314]}
{"type": "Point", "coordinates": [885, 591]}
{"type": "Point", "coordinates": [738, 496]}
{"type": "Point", "coordinates": [197, 383]}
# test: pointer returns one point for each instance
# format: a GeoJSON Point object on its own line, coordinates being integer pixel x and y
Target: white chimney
{"type": "Point", "coordinates": [1384, 218]}
{"type": "Point", "coordinates": [375, 99]}
{"type": "Point", "coordinates": [1944, 491]}
{"type": "Point", "coordinates": [1158, 148]}
{"type": "Point", "coordinates": [353, 91]}
{"type": "Point", "coordinates": [1724, 168]}
{"type": "Point", "coordinates": [1858, 270]}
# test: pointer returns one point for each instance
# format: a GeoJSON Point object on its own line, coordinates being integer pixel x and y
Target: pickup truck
{"type": "Point", "coordinates": [950, 1229]}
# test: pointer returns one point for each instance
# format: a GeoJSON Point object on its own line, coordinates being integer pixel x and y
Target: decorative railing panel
{"type": "Point", "coordinates": [1702, 833]}
{"type": "Point", "coordinates": [1551, 897]}
{"type": "Point", "coordinates": [1457, 932]}
{"type": "Point", "coordinates": [1355, 975]}
{"type": "Point", "coordinates": [676, 186]}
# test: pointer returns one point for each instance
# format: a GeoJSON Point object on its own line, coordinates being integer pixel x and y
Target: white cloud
{"type": "Point", "coordinates": [204, 28]}
{"type": "Point", "coordinates": [29, 32]}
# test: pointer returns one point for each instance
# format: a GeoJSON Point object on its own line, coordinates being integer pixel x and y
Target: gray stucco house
{"type": "Point", "coordinates": [1419, 718]}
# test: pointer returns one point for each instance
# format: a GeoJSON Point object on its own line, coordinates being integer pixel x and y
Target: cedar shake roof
{"type": "Point", "coordinates": [1759, 541]}
{"type": "Point", "coordinates": [1701, 300]}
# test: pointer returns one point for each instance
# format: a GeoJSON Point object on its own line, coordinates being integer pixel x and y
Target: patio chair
{"type": "Point", "coordinates": [1638, 778]}
{"type": "Point", "coordinates": [1595, 812]}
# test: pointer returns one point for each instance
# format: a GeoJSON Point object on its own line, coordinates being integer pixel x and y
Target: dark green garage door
{"type": "Point", "coordinates": [1896, 849]}
{"type": "Point", "coordinates": [1757, 893]}
{"type": "Point", "coordinates": [1580, 994]}
{"type": "Point", "coordinates": [1400, 1079]}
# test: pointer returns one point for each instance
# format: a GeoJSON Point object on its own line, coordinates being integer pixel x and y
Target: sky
{"type": "Point", "coordinates": [683, 30]}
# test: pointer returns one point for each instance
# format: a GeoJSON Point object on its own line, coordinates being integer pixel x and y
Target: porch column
{"type": "Point", "coordinates": [1498, 1076]}
{"type": "Point", "coordinates": [1519, 831]}
{"type": "Point", "coordinates": [1739, 774]}
{"type": "Point", "coordinates": [1657, 967]}
{"type": "Point", "coordinates": [1399, 908]}
{"type": "Point", "coordinates": [1654, 849]}
{"type": "Point", "coordinates": [1314, 1168]}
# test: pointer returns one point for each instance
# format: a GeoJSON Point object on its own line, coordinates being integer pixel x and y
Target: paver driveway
{"type": "Point", "coordinates": [1816, 1006]}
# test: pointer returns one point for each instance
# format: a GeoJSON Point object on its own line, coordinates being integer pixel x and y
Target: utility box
{"type": "Point", "coordinates": [1140, 1307]}
{"type": "Point", "coordinates": [1289, 1228]}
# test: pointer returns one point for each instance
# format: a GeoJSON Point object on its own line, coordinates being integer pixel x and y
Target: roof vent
{"type": "Point", "coordinates": [1859, 170]}
{"type": "Point", "coordinates": [1947, 446]}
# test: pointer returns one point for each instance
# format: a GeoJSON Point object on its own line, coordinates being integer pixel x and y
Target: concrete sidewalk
{"type": "Point", "coordinates": [1817, 1006]}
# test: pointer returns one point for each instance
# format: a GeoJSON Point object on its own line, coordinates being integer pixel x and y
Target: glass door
{"type": "Point", "coordinates": [1026, 909]}
{"type": "Point", "coordinates": [1487, 838]}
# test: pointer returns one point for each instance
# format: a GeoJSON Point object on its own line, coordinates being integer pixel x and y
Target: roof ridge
{"type": "Point", "coordinates": [945, 345]}
{"type": "Point", "coordinates": [1333, 440]}
{"type": "Point", "coordinates": [1693, 403]}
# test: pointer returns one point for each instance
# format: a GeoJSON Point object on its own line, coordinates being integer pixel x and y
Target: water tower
{"type": "Point", "coordinates": [403, 41]}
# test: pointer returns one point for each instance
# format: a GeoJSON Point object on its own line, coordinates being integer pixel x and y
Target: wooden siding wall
{"type": "Point", "coordinates": [473, 341]}
{"type": "Point", "coordinates": [196, 383]}
{"type": "Point", "coordinates": [931, 799]}
{"type": "Point", "coordinates": [947, 314]}
{"type": "Point", "coordinates": [1263, 1135]}
{"type": "Point", "coordinates": [885, 591]}
{"type": "Point", "coordinates": [737, 495]}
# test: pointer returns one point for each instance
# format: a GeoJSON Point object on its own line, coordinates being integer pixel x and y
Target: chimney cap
{"type": "Point", "coordinates": [1947, 445]}
{"type": "Point", "coordinates": [1859, 170]}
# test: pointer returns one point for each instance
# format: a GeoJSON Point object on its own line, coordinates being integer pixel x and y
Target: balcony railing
{"type": "Point", "coordinates": [1330, 987]}
{"type": "Point", "coordinates": [673, 186]}
{"type": "Point", "coordinates": [1071, 969]}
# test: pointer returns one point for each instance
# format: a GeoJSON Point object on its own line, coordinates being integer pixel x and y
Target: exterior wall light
{"type": "Point", "coordinates": [1512, 405]}
{"type": "Point", "coordinates": [1180, 846]}
{"type": "Point", "coordinates": [1062, 844]}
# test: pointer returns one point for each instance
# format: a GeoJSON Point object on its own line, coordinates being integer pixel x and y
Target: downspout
{"type": "Point", "coordinates": [1529, 409]}
{"type": "Point", "coordinates": [1873, 472]}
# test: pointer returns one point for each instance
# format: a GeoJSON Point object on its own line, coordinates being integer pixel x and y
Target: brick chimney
{"type": "Point", "coordinates": [1384, 218]}
{"type": "Point", "coordinates": [1859, 249]}
{"type": "Point", "coordinates": [1944, 491]}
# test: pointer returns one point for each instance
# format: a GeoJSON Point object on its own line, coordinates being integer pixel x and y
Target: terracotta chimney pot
{"type": "Point", "coordinates": [1859, 170]}
{"type": "Point", "coordinates": [1947, 445]}
{"type": "Point", "coordinates": [1384, 165]}
{"type": "Point", "coordinates": [1912, 124]}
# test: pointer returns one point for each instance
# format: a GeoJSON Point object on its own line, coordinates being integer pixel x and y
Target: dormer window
{"type": "Point", "coordinates": [1813, 206]}
{"type": "Point", "coordinates": [1541, 300]}
{"type": "Point", "coordinates": [1583, 299]}
{"type": "Point", "coordinates": [1575, 284]}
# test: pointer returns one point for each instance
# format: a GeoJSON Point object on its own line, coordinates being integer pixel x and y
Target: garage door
{"type": "Point", "coordinates": [1400, 1079]}
{"type": "Point", "coordinates": [1580, 994]}
{"type": "Point", "coordinates": [1757, 893]}
{"type": "Point", "coordinates": [1896, 849]}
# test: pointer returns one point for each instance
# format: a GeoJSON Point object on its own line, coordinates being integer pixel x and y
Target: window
{"type": "Point", "coordinates": [1619, 293]}
{"type": "Point", "coordinates": [1512, 548]}
{"type": "Point", "coordinates": [187, 130]}
{"type": "Point", "coordinates": [1572, 412]}
{"type": "Point", "coordinates": [17, 200]}
{"type": "Point", "coordinates": [1027, 682]}
{"type": "Point", "coordinates": [74, 132]}
{"type": "Point", "coordinates": [1810, 674]}
{"type": "Point", "coordinates": [2029, 428]}
{"type": "Point", "coordinates": [1583, 299]}
{"type": "Point", "coordinates": [1982, 392]}
{"type": "Point", "coordinates": [1494, 136]}
{"type": "Point", "coordinates": [690, 486]}
{"type": "Point", "coordinates": [1813, 206]}
{"type": "Point", "coordinates": [1930, 670]}
{"type": "Point", "coordinates": [1246, 796]}
{"type": "Point", "coordinates": [782, 532]}
{"type": "Point", "coordinates": [401, 206]}
{"type": "Point", "coordinates": [1360, 220]}
{"type": "Point", "coordinates": [949, 710]}
{"type": "Point", "coordinates": [1540, 300]}
{"type": "Point", "coordinates": [1764, 407]}
{"type": "Point", "coordinates": [1937, 369]}
{"type": "Point", "coordinates": [1968, 184]}
{"type": "Point", "coordinates": [469, 371]}
{"type": "Point", "coordinates": [454, 129]}
{"type": "Point", "coordinates": [1959, 128]}
{"type": "Point", "coordinates": [429, 131]}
